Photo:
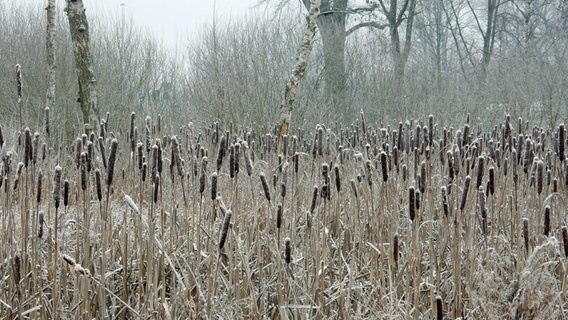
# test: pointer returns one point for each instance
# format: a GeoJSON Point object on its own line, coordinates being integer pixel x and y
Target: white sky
{"type": "Point", "coordinates": [172, 21]}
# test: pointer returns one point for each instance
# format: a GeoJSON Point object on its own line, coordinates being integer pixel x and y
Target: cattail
{"type": "Point", "coordinates": [464, 193]}
{"type": "Point", "coordinates": [46, 120]}
{"type": "Point", "coordinates": [78, 150]}
{"type": "Point", "coordinates": [248, 162]}
{"type": "Point", "coordinates": [102, 150]}
{"type": "Point", "coordinates": [144, 171]}
{"type": "Point", "coordinates": [283, 184]}
{"type": "Point", "coordinates": [354, 188]}
{"type": "Point", "coordinates": [17, 272]}
{"type": "Point", "coordinates": [561, 141]}
{"type": "Point", "coordinates": [526, 233]}
{"type": "Point", "coordinates": [131, 203]}
{"type": "Point", "coordinates": [279, 216]}
{"type": "Point", "coordinates": [89, 156]}
{"type": "Point", "coordinates": [296, 159]}
{"type": "Point", "coordinates": [445, 201]}
{"type": "Point", "coordinates": [491, 182]}
{"type": "Point", "coordinates": [40, 225]}
{"type": "Point", "coordinates": [232, 161]}
{"type": "Point", "coordinates": [111, 161]}
{"type": "Point", "coordinates": [35, 148]}
{"type": "Point", "coordinates": [337, 179]}
{"type": "Point", "coordinates": [57, 186]}
{"type": "Point", "coordinates": [395, 249]}
{"type": "Point", "coordinates": [422, 178]}
{"type": "Point", "coordinates": [546, 221]}
{"type": "Point", "coordinates": [156, 189]}
{"type": "Point", "coordinates": [237, 147]}
{"type": "Point", "coordinates": [480, 168]}
{"type": "Point", "coordinates": [98, 184]}
{"type": "Point", "coordinates": [539, 176]}
{"type": "Point", "coordinates": [65, 192]}
{"type": "Point", "coordinates": [1, 138]}
{"type": "Point", "coordinates": [565, 240]}
{"type": "Point", "coordinates": [224, 229]}
{"type": "Point", "coordinates": [221, 152]}
{"type": "Point", "coordinates": [214, 186]}
{"type": "Point", "coordinates": [83, 171]}
{"type": "Point", "coordinates": [202, 176]}
{"type": "Point", "coordinates": [28, 148]}
{"type": "Point", "coordinates": [265, 186]}
{"type": "Point", "coordinates": [133, 134]}
{"type": "Point", "coordinates": [314, 199]}
{"type": "Point", "coordinates": [554, 185]}
{"type": "Point", "coordinates": [140, 154]}
{"type": "Point", "coordinates": [43, 151]}
{"type": "Point", "coordinates": [39, 183]}
{"type": "Point", "coordinates": [320, 140]}
{"type": "Point", "coordinates": [439, 308]}
{"type": "Point", "coordinates": [19, 81]}
{"type": "Point", "coordinates": [287, 251]}
{"type": "Point", "coordinates": [384, 166]}
{"type": "Point", "coordinates": [411, 203]}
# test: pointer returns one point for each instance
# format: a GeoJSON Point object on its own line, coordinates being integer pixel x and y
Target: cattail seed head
{"type": "Point", "coordinates": [565, 240]}
{"type": "Point", "coordinates": [248, 162]}
{"type": "Point", "coordinates": [265, 186]}
{"type": "Point", "coordinates": [491, 182]}
{"type": "Point", "coordinates": [66, 193]}
{"type": "Point", "coordinates": [57, 186]}
{"type": "Point", "coordinates": [202, 175]}
{"type": "Point", "coordinates": [384, 166]}
{"type": "Point", "coordinates": [98, 184]}
{"type": "Point", "coordinates": [465, 192]}
{"type": "Point", "coordinates": [287, 251]}
{"type": "Point", "coordinates": [337, 178]}
{"type": "Point", "coordinates": [547, 220]}
{"type": "Point", "coordinates": [224, 230]}
{"type": "Point", "coordinates": [445, 205]}
{"type": "Point", "coordinates": [354, 188]}
{"type": "Point", "coordinates": [39, 183]}
{"type": "Point", "coordinates": [526, 233]}
{"type": "Point", "coordinates": [28, 148]}
{"type": "Point", "coordinates": [155, 192]}
{"type": "Point", "coordinates": [539, 176]}
{"type": "Point", "coordinates": [279, 216]}
{"type": "Point", "coordinates": [480, 168]}
{"type": "Point", "coordinates": [40, 225]}
{"type": "Point", "coordinates": [111, 161]}
{"type": "Point", "coordinates": [561, 142]}
{"type": "Point", "coordinates": [395, 249]}
{"type": "Point", "coordinates": [83, 171]}
{"type": "Point", "coordinates": [102, 151]}
{"type": "Point", "coordinates": [314, 199]}
{"type": "Point", "coordinates": [140, 154]}
{"type": "Point", "coordinates": [214, 186]}
{"type": "Point", "coordinates": [439, 308]}
{"type": "Point", "coordinates": [411, 203]}
{"type": "Point", "coordinates": [422, 179]}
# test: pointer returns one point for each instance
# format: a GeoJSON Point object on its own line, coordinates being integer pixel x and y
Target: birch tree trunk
{"type": "Point", "coordinates": [50, 52]}
{"type": "Point", "coordinates": [79, 28]}
{"type": "Point", "coordinates": [298, 72]}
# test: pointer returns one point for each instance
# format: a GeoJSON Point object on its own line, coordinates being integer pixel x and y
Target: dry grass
{"type": "Point", "coordinates": [349, 222]}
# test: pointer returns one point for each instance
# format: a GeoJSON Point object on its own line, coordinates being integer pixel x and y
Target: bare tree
{"type": "Point", "coordinates": [299, 70]}
{"type": "Point", "coordinates": [50, 53]}
{"type": "Point", "coordinates": [79, 29]}
{"type": "Point", "coordinates": [395, 16]}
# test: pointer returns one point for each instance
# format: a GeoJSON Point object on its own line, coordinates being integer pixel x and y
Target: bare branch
{"type": "Point", "coordinates": [370, 24]}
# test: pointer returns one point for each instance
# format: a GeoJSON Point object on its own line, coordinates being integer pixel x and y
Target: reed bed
{"type": "Point", "coordinates": [409, 221]}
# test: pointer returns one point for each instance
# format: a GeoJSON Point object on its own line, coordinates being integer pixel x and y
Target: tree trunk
{"type": "Point", "coordinates": [331, 25]}
{"type": "Point", "coordinates": [79, 28]}
{"type": "Point", "coordinates": [488, 38]}
{"type": "Point", "coordinates": [50, 52]}
{"type": "Point", "coordinates": [298, 72]}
